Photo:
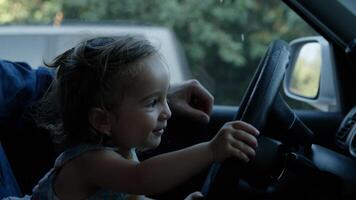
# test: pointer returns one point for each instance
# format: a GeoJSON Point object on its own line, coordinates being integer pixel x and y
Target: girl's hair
{"type": "Point", "coordinates": [94, 74]}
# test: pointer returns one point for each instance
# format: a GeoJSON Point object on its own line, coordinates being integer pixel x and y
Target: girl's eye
{"type": "Point", "coordinates": [152, 103]}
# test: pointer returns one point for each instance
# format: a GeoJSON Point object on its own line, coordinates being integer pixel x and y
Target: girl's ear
{"type": "Point", "coordinates": [100, 120]}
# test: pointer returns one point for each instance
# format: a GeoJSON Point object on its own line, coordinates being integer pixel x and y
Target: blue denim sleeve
{"type": "Point", "coordinates": [20, 85]}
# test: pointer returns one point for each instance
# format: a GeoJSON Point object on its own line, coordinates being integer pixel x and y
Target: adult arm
{"type": "Point", "coordinates": [20, 85]}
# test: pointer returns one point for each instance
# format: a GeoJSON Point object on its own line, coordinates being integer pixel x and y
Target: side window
{"type": "Point", "coordinates": [222, 40]}
{"type": "Point", "coordinates": [226, 49]}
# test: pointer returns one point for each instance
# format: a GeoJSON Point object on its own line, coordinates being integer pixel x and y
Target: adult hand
{"type": "Point", "coordinates": [191, 99]}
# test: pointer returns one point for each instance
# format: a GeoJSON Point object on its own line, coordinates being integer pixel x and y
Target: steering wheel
{"type": "Point", "coordinates": [256, 105]}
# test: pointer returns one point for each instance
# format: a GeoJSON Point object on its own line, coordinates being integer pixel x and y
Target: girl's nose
{"type": "Point", "coordinates": [166, 112]}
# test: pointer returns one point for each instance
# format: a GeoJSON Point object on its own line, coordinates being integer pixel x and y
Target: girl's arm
{"type": "Point", "coordinates": [192, 196]}
{"type": "Point", "coordinates": [107, 169]}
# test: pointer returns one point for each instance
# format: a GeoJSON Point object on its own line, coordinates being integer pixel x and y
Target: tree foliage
{"type": "Point", "coordinates": [223, 39]}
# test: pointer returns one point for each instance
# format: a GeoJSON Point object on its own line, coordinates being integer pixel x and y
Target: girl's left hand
{"type": "Point", "coordinates": [195, 195]}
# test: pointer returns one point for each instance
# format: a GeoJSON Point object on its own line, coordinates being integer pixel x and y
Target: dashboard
{"type": "Point", "coordinates": [346, 134]}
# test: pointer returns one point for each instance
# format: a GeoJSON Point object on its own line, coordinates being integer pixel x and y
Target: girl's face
{"type": "Point", "coordinates": [142, 114]}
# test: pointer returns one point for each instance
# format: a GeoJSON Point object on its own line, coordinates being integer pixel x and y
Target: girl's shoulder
{"type": "Point", "coordinates": [80, 151]}
{"type": "Point", "coordinates": [94, 157]}
{"type": "Point", "coordinates": [80, 168]}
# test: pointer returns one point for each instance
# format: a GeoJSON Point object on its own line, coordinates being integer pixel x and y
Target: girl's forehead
{"type": "Point", "coordinates": [152, 75]}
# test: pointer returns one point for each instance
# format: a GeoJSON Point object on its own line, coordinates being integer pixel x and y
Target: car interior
{"type": "Point", "coordinates": [302, 153]}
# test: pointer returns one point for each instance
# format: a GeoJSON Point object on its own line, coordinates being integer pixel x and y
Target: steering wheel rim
{"type": "Point", "coordinates": [259, 98]}
{"type": "Point", "coordinates": [262, 89]}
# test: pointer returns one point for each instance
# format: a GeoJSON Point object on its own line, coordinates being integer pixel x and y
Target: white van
{"type": "Point", "coordinates": [35, 44]}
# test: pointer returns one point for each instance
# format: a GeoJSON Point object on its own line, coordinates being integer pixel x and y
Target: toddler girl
{"type": "Point", "coordinates": [111, 94]}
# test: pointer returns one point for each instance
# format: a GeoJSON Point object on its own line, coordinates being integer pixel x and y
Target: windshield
{"type": "Point", "coordinates": [222, 40]}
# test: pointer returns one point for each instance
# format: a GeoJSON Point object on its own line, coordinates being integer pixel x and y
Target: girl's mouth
{"type": "Point", "coordinates": [158, 132]}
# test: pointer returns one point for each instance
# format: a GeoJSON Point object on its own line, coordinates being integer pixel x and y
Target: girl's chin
{"type": "Point", "coordinates": [150, 144]}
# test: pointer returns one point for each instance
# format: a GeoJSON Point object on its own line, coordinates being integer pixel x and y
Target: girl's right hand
{"type": "Point", "coordinates": [236, 138]}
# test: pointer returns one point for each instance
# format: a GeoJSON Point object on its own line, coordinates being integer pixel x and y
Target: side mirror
{"type": "Point", "coordinates": [311, 75]}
